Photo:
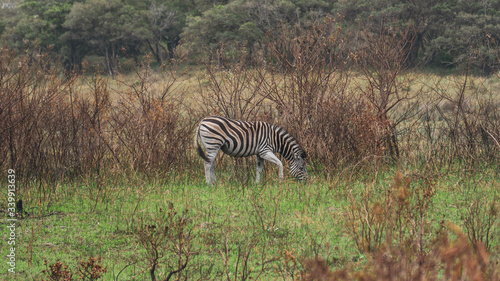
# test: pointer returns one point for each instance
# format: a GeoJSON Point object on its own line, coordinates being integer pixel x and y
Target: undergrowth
{"type": "Point", "coordinates": [397, 223]}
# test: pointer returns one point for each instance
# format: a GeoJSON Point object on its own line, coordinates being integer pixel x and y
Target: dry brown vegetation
{"type": "Point", "coordinates": [448, 259]}
{"type": "Point", "coordinates": [56, 127]}
{"type": "Point", "coordinates": [88, 270]}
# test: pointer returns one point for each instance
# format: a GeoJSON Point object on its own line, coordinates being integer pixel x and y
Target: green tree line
{"type": "Point", "coordinates": [444, 33]}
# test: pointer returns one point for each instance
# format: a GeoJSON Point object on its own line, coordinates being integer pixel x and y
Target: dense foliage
{"type": "Point", "coordinates": [114, 33]}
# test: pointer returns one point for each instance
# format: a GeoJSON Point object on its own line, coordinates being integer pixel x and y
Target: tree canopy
{"type": "Point", "coordinates": [446, 33]}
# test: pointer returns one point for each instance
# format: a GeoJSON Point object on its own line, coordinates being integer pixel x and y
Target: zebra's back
{"type": "Point", "coordinates": [240, 139]}
{"type": "Point", "coordinates": [236, 138]}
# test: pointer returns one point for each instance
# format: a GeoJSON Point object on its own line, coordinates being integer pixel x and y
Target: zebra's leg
{"type": "Point", "coordinates": [210, 165]}
{"type": "Point", "coordinates": [260, 165]}
{"type": "Point", "coordinates": [208, 171]}
{"type": "Point", "coordinates": [212, 172]}
{"type": "Point", "coordinates": [269, 156]}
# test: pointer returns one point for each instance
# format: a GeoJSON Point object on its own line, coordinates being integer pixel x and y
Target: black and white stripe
{"type": "Point", "coordinates": [241, 139]}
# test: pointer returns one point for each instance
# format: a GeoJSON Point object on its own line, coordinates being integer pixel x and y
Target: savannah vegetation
{"type": "Point", "coordinates": [397, 111]}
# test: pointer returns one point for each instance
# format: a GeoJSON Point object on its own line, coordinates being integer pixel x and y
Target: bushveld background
{"type": "Point", "coordinates": [403, 162]}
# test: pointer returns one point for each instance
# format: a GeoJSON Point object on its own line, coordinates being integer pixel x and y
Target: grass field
{"type": "Point", "coordinates": [404, 170]}
{"type": "Point", "coordinates": [263, 231]}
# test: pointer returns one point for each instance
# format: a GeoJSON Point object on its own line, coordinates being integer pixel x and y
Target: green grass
{"type": "Point", "coordinates": [275, 225]}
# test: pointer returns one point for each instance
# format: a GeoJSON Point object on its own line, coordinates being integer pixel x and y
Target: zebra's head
{"type": "Point", "coordinates": [298, 166]}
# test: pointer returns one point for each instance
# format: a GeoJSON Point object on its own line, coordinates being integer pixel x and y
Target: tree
{"type": "Point", "coordinates": [161, 21]}
{"type": "Point", "coordinates": [216, 27]}
{"type": "Point", "coordinates": [424, 16]}
{"type": "Point", "coordinates": [239, 23]}
{"type": "Point", "coordinates": [111, 27]}
{"type": "Point", "coordinates": [39, 23]}
{"type": "Point", "coordinates": [447, 32]}
{"type": "Point", "coordinates": [467, 38]}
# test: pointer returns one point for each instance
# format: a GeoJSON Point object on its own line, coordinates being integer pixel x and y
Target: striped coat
{"type": "Point", "coordinates": [241, 139]}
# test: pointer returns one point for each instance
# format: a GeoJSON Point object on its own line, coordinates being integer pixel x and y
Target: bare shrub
{"type": "Point", "coordinates": [54, 128]}
{"type": "Point", "coordinates": [394, 232]}
{"type": "Point", "coordinates": [240, 247]}
{"type": "Point", "coordinates": [479, 211]}
{"type": "Point", "coordinates": [151, 130]}
{"type": "Point", "coordinates": [345, 133]}
{"type": "Point", "coordinates": [463, 125]}
{"type": "Point", "coordinates": [167, 238]}
{"type": "Point", "coordinates": [90, 113]}
{"type": "Point", "coordinates": [307, 85]}
{"type": "Point", "coordinates": [89, 270]}
{"type": "Point", "coordinates": [446, 260]}
{"type": "Point", "coordinates": [317, 269]}
{"type": "Point", "coordinates": [57, 272]}
{"type": "Point", "coordinates": [491, 125]}
{"type": "Point", "coordinates": [35, 118]}
{"type": "Point", "coordinates": [51, 130]}
{"type": "Point", "coordinates": [382, 58]}
{"type": "Point", "coordinates": [288, 264]}
{"type": "Point", "coordinates": [308, 68]}
{"type": "Point", "coordinates": [232, 92]}
{"type": "Point", "coordinates": [92, 269]}
{"type": "Point", "coordinates": [397, 213]}
{"type": "Point", "coordinates": [480, 220]}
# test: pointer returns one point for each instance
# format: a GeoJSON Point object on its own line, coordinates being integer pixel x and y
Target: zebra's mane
{"type": "Point", "coordinates": [278, 128]}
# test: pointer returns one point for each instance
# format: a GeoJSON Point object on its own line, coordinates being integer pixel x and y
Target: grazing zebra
{"type": "Point", "coordinates": [241, 139]}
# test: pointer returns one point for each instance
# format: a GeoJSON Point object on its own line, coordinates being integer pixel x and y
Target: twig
{"type": "Point", "coordinates": [498, 144]}
{"type": "Point", "coordinates": [116, 278]}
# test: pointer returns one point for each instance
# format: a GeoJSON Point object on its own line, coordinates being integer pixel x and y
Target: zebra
{"type": "Point", "coordinates": [240, 139]}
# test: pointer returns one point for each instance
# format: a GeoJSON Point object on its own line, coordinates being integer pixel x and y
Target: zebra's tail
{"type": "Point", "coordinates": [198, 147]}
